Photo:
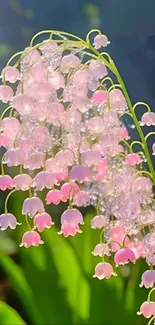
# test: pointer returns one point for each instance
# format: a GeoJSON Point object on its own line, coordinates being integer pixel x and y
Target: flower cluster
{"type": "Point", "coordinates": [66, 132]}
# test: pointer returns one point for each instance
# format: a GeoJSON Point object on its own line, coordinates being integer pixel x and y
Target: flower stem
{"type": "Point", "coordinates": [7, 198]}
{"type": "Point", "coordinates": [150, 321]}
{"type": "Point", "coordinates": [27, 221]}
{"type": "Point", "coordinates": [149, 295]}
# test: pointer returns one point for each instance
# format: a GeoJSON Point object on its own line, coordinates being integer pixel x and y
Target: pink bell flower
{"type": "Point", "coordinates": [64, 158]}
{"type": "Point", "coordinates": [6, 94]}
{"type": "Point", "coordinates": [117, 100]}
{"type": "Point", "coordinates": [148, 119]}
{"type": "Point", "coordinates": [133, 159]}
{"type": "Point", "coordinates": [124, 256]}
{"type": "Point", "coordinates": [10, 127]}
{"type": "Point", "coordinates": [117, 233]}
{"type": "Point", "coordinates": [124, 133]}
{"type": "Point", "coordinates": [22, 182]}
{"type": "Point", "coordinates": [148, 279]}
{"type": "Point", "coordinates": [68, 62]}
{"type": "Point", "coordinates": [10, 74]}
{"type": "Point", "coordinates": [96, 124]}
{"type": "Point", "coordinates": [4, 140]}
{"type": "Point", "coordinates": [42, 221]}
{"type": "Point", "coordinates": [5, 182]}
{"type": "Point", "coordinates": [14, 157]}
{"type": "Point", "coordinates": [98, 222]}
{"type": "Point", "coordinates": [53, 197]}
{"type": "Point", "coordinates": [56, 79]}
{"type": "Point", "coordinates": [90, 157]}
{"type": "Point", "coordinates": [44, 180]}
{"type": "Point", "coordinates": [8, 220]}
{"type": "Point", "coordinates": [32, 205]}
{"type": "Point", "coordinates": [153, 149]}
{"type": "Point", "coordinates": [31, 238]}
{"type": "Point", "coordinates": [97, 70]}
{"type": "Point", "coordinates": [138, 248]}
{"type": "Point", "coordinates": [80, 174]}
{"type": "Point", "coordinates": [101, 250]}
{"type": "Point", "coordinates": [34, 161]}
{"type": "Point", "coordinates": [100, 40]}
{"type": "Point", "coordinates": [147, 309]}
{"type": "Point", "coordinates": [81, 198]}
{"type": "Point", "coordinates": [100, 97]}
{"type": "Point", "coordinates": [23, 104]}
{"type": "Point", "coordinates": [104, 271]}
{"type": "Point", "coordinates": [70, 220]}
{"type": "Point", "coordinates": [69, 190]}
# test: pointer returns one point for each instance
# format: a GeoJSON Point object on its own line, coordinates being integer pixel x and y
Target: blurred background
{"type": "Point", "coordinates": [53, 284]}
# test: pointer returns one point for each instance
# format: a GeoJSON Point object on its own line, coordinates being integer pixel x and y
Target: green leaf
{"type": "Point", "coordinates": [21, 287]}
{"type": "Point", "coordinates": [72, 277]}
{"type": "Point", "coordinates": [8, 316]}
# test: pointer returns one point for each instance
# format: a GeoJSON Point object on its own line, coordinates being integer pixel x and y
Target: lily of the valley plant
{"type": "Point", "coordinates": [64, 128]}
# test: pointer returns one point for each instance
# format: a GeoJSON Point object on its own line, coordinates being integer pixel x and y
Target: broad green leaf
{"type": "Point", "coordinates": [134, 296]}
{"type": "Point", "coordinates": [8, 316]}
{"type": "Point", "coordinates": [71, 275]}
{"type": "Point", "coordinates": [21, 287]}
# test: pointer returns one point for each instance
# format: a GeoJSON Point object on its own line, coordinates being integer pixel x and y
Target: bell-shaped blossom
{"type": "Point", "coordinates": [32, 205]}
{"type": "Point", "coordinates": [53, 196]}
{"type": "Point", "coordinates": [69, 190]}
{"type": "Point", "coordinates": [100, 96]}
{"type": "Point", "coordinates": [10, 127]}
{"type": "Point", "coordinates": [64, 158]}
{"type": "Point", "coordinates": [97, 70]}
{"type": "Point", "coordinates": [117, 100]}
{"type": "Point", "coordinates": [133, 159]}
{"type": "Point", "coordinates": [5, 182]}
{"type": "Point", "coordinates": [148, 119]}
{"type": "Point", "coordinates": [44, 180]}
{"type": "Point", "coordinates": [23, 104]}
{"type": "Point", "coordinates": [8, 220]}
{"type": "Point", "coordinates": [124, 256]}
{"type": "Point", "coordinates": [22, 182]}
{"type": "Point", "coordinates": [81, 198]}
{"type": "Point", "coordinates": [90, 157]}
{"type": "Point", "coordinates": [39, 71]}
{"type": "Point", "coordinates": [138, 248]}
{"type": "Point", "coordinates": [147, 309]}
{"type": "Point", "coordinates": [124, 133]}
{"type": "Point", "coordinates": [70, 221]}
{"type": "Point", "coordinates": [100, 40]}
{"type": "Point", "coordinates": [80, 173]}
{"type": "Point", "coordinates": [117, 235]}
{"type": "Point", "coordinates": [68, 62]}
{"type": "Point", "coordinates": [6, 94]}
{"type": "Point", "coordinates": [142, 185]}
{"type": "Point", "coordinates": [14, 157]}
{"type": "Point", "coordinates": [101, 250]}
{"type": "Point", "coordinates": [98, 222]}
{"type": "Point", "coordinates": [96, 124]}
{"type": "Point", "coordinates": [34, 161]}
{"type": "Point", "coordinates": [10, 74]}
{"type": "Point", "coordinates": [56, 79]}
{"type": "Point", "coordinates": [4, 140]}
{"type": "Point", "coordinates": [104, 271]}
{"type": "Point", "coordinates": [31, 238]}
{"type": "Point", "coordinates": [43, 221]}
{"type": "Point", "coordinates": [148, 279]}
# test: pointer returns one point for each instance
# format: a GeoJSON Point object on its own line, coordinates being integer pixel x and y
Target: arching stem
{"type": "Point", "coordinates": [7, 198]}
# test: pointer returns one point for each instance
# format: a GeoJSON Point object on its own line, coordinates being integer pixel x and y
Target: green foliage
{"type": "Point", "coordinates": [9, 316]}
{"type": "Point", "coordinates": [55, 286]}
{"type": "Point", "coordinates": [54, 282]}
